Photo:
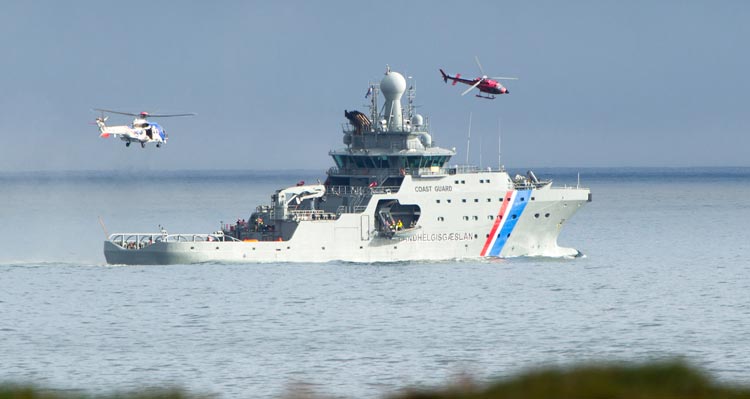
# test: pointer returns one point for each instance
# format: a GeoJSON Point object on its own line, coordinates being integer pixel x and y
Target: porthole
{"type": "Point", "coordinates": [466, 218]}
{"type": "Point", "coordinates": [463, 181]}
{"type": "Point", "coordinates": [533, 198]}
{"type": "Point", "coordinates": [481, 181]}
{"type": "Point", "coordinates": [437, 201]}
{"type": "Point", "coordinates": [192, 247]}
{"type": "Point", "coordinates": [463, 200]}
{"type": "Point", "coordinates": [490, 217]}
{"type": "Point", "coordinates": [489, 199]}
{"type": "Point", "coordinates": [323, 248]}
{"type": "Point", "coordinates": [217, 247]}
{"type": "Point", "coordinates": [449, 201]}
{"type": "Point", "coordinates": [536, 215]}
{"type": "Point", "coordinates": [475, 217]}
{"type": "Point", "coordinates": [513, 216]}
{"type": "Point", "coordinates": [546, 215]}
{"type": "Point", "coordinates": [476, 199]}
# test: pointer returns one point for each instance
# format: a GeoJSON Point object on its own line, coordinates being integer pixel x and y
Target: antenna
{"type": "Point", "coordinates": [499, 146]}
{"type": "Point", "coordinates": [480, 151]}
{"type": "Point", "coordinates": [101, 222]}
{"type": "Point", "coordinates": [468, 141]}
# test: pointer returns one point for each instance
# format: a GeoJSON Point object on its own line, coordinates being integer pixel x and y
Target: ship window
{"type": "Point", "coordinates": [532, 198]}
{"type": "Point", "coordinates": [536, 215]}
{"type": "Point", "coordinates": [490, 217]}
{"type": "Point", "coordinates": [338, 160]}
{"type": "Point", "coordinates": [522, 198]}
{"type": "Point", "coordinates": [500, 199]}
{"type": "Point", "coordinates": [449, 201]}
{"type": "Point", "coordinates": [382, 162]}
{"type": "Point", "coordinates": [488, 180]}
{"type": "Point", "coordinates": [463, 200]}
{"type": "Point", "coordinates": [475, 217]}
{"type": "Point", "coordinates": [475, 236]}
{"type": "Point", "coordinates": [481, 181]}
{"type": "Point", "coordinates": [546, 215]}
{"type": "Point", "coordinates": [476, 199]}
{"type": "Point", "coordinates": [463, 181]}
{"type": "Point", "coordinates": [513, 216]}
{"type": "Point", "coordinates": [489, 199]}
{"type": "Point", "coordinates": [438, 201]}
{"type": "Point", "coordinates": [456, 181]}
{"type": "Point", "coordinates": [369, 162]}
{"type": "Point", "coordinates": [441, 219]}
{"type": "Point", "coordinates": [466, 218]}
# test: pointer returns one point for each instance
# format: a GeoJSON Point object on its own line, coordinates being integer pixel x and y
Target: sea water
{"type": "Point", "coordinates": [666, 274]}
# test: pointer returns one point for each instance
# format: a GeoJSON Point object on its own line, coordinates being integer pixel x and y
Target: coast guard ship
{"type": "Point", "coordinates": [391, 196]}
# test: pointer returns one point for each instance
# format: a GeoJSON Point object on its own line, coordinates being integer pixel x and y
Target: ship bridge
{"type": "Point", "coordinates": [387, 145]}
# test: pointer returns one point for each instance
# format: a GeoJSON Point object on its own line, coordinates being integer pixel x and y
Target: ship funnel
{"type": "Point", "coordinates": [393, 87]}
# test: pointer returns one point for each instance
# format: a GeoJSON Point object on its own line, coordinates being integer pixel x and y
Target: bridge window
{"type": "Point", "coordinates": [338, 160]}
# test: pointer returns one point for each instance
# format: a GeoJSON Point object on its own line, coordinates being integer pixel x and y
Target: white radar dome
{"type": "Point", "coordinates": [393, 85]}
{"type": "Point", "coordinates": [417, 120]}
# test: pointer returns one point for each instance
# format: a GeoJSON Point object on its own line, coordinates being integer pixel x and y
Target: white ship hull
{"type": "Point", "coordinates": [458, 221]}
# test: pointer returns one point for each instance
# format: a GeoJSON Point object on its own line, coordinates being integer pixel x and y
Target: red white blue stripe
{"type": "Point", "coordinates": [510, 212]}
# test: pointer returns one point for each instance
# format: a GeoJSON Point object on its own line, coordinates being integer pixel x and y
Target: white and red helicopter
{"type": "Point", "coordinates": [140, 131]}
{"type": "Point", "coordinates": [491, 86]}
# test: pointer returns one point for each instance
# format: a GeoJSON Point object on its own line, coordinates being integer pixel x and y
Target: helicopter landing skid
{"type": "Point", "coordinates": [486, 97]}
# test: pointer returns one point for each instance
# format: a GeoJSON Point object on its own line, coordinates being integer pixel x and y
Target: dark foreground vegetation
{"type": "Point", "coordinates": [671, 380]}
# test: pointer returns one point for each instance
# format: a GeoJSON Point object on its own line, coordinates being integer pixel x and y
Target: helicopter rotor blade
{"type": "Point", "coordinates": [169, 115]}
{"type": "Point", "coordinates": [484, 75]}
{"type": "Point", "coordinates": [472, 87]}
{"type": "Point", "coordinates": [115, 112]}
{"type": "Point", "coordinates": [502, 78]}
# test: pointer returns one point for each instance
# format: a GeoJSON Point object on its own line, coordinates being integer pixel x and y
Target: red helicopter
{"type": "Point", "coordinates": [491, 86]}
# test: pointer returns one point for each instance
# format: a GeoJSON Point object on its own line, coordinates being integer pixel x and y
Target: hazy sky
{"type": "Point", "coordinates": [602, 83]}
